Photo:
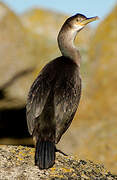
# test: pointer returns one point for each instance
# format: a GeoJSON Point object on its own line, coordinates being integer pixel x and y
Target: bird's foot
{"type": "Point", "coordinates": [58, 150]}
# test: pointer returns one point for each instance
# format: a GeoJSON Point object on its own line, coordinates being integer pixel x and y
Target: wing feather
{"type": "Point", "coordinates": [37, 97]}
{"type": "Point", "coordinates": [66, 103]}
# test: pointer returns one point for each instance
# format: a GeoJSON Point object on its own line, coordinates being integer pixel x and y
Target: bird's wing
{"type": "Point", "coordinates": [37, 97]}
{"type": "Point", "coordinates": [66, 104]}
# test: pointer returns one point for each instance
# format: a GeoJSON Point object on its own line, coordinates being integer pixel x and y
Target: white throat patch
{"type": "Point", "coordinates": [78, 27]}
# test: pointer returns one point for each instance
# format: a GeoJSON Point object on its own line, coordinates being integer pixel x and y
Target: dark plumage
{"type": "Point", "coordinates": [54, 96]}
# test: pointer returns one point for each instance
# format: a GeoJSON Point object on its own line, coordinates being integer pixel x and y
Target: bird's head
{"type": "Point", "coordinates": [78, 21]}
{"type": "Point", "coordinates": [68, 33]}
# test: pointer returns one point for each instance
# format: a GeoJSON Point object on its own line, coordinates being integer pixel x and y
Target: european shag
{"type": "Point", "coordinates": [55, 94]}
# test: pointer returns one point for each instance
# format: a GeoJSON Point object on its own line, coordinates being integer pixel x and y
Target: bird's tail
{"type": "Point", "coordinates": [45, 154]}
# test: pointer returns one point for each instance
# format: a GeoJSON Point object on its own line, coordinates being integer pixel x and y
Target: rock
{"type": "Point", "coordinates": [17, 162]}
{"type": "Point", "coordinates": [16, 60]}
{"type": "Point", "coordinates": [46, 25]}
{"type": "Point", "coordinates": [103, 58]}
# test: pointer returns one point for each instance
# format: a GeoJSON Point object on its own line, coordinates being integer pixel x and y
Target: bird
{"type": "Point", "coordinates": [55, 94]}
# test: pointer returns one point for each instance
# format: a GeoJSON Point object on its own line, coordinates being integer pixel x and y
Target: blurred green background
{"type": "Point", "coordinates": [27, 43]}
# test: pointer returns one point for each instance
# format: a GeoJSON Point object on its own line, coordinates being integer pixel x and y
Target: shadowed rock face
{"type": "Point", "coordinates": [13, 123]}
{"type": "Point", "coordinates": [17, 162]}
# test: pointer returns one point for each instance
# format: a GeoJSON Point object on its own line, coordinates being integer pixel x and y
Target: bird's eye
{"type": "Point", "coordinates": [77, 20]}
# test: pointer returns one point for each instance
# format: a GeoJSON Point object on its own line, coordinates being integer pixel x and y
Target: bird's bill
{"type": "Point", "coordinates": [88, 20]}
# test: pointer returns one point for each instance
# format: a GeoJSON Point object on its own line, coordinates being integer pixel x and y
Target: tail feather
{"type": "Point", "coordinates": [45, 154]}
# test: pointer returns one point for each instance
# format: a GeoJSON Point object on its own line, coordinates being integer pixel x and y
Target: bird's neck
{"type": "Point", "coordinates": [66, 45]}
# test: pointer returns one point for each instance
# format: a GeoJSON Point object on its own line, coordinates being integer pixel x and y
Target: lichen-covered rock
{"type": "Point", "coordinates": [17, 163]}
